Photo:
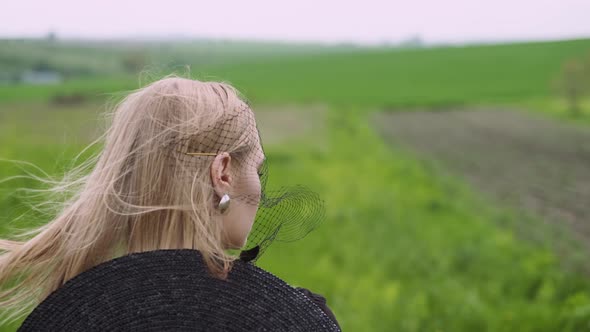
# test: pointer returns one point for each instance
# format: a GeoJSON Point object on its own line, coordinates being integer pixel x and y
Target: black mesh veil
{"type": "Point", "coordinates": [284, 214]}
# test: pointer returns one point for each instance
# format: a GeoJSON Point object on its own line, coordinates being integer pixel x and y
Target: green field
{"type": "Point", "coordinates": [406, 246]}
{"type": "Point", "coordinates": [376, 78]}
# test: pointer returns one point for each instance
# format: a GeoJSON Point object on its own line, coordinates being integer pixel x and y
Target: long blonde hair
{"type": "Point", "coordinates": [134, 198]}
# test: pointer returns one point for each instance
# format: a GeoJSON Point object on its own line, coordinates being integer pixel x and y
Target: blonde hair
{"type": "Point", "coordinates": [135, 198]}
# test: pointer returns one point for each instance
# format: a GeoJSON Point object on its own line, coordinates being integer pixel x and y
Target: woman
{"type": "Point", "coordinates": [182, 167]}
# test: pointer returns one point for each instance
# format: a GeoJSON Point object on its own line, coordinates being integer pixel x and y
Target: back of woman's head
{"type": "Point", "coordinates": [141, 192]}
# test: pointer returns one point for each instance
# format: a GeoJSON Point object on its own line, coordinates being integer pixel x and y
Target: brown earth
{"type": "Point", "coordinates": [521, 159]}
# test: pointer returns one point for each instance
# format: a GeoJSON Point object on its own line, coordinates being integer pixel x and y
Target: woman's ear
{"type": "Point", "coordinates": [220, 174]}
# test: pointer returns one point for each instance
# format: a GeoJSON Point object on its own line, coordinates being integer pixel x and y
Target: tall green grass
{"type": "Point", "coordinates": [438, 76]}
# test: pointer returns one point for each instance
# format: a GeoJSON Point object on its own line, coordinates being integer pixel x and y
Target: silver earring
{"type": "Point", "coordinates": [224, 203]}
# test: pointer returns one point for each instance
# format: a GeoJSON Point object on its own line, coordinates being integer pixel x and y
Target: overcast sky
{"type": "Point", "coordinates": [365, 22]}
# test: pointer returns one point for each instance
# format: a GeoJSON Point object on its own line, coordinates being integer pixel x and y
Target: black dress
{"type": "Point", "coordinates": [320, 301]}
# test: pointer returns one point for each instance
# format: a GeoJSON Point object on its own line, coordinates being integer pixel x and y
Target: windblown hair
{"type": "Point", "coordinates": [133, 195]}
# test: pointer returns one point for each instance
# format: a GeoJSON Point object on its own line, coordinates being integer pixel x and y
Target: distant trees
{"type": "Point", "coordinates": [573, 82]}
{"type": "Point", "coordinates": [51, 36]}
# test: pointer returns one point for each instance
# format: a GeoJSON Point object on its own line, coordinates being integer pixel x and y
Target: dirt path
{"type": "Point", "coordinates": [526, 161]}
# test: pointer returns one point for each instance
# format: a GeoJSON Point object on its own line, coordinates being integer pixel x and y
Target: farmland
{"type": "Point", "coordinates": [444, 171]}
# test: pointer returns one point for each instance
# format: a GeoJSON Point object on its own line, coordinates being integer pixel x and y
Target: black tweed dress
{"type": "Point", "coordinates": [171, 290]}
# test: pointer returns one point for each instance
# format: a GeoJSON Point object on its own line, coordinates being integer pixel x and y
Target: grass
{"type": "Point", "coordinates": [96, 88]}
{"type": "Point", "coordinates": [373, 78]}
{"type": "Point", "coordinates": [406, 247]}
{"type": "Point", "coordinates": [393, 79]}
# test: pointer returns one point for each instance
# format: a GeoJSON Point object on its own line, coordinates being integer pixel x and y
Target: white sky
{"type": "Point", "coordinates": [366, 21]}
